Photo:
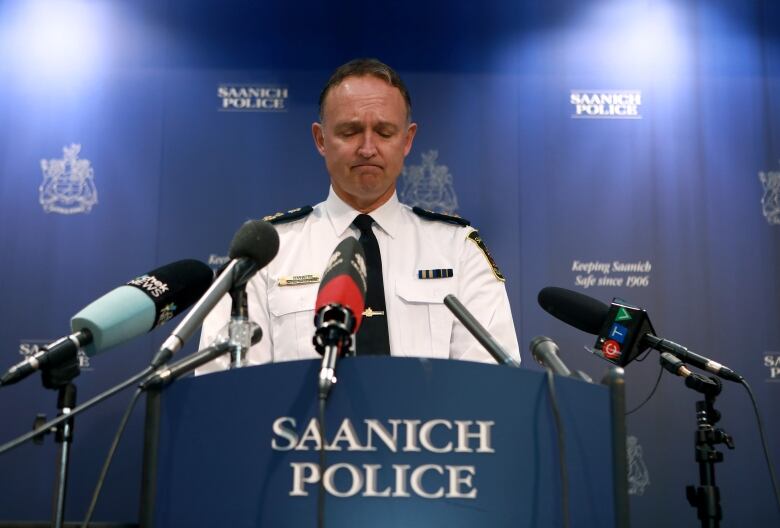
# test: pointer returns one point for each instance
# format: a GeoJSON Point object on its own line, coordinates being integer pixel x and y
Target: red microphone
{"type": "Point", "coordinates": [338, 310]}
{"type": "Point", "coordinates": [344, 281]}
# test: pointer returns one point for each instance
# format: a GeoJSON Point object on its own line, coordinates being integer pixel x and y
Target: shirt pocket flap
{"type": "Point", "coordinates": [431, 291]}
{"type": "Point", "coordinates": [292, 299]}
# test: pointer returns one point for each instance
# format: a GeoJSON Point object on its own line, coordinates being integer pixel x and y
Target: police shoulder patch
{"type": "Point", "coordinates": [474, 237]}
{"type": "Point", "coordinates": [430, 215]}
{"type": "Point", "coordinates": [289, 216]}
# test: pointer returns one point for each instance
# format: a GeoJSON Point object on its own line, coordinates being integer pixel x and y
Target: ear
{"type": "Point", "coordinates": [410, 132]}
{"type": "Point", "coordinates": [319, 137]}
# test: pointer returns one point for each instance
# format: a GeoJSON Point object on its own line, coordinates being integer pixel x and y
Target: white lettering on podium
{"type": "Point", "coordinates": [425, 436]}
{"type": "Point", "coordinates": [285, 433]}
{"type": "Point", "coordinates": [312, 433]}
{"type": "Point", "coordinates": [376, 427]}
{"type": "Point", "coordinates": [429, 481]}
{"type": "Point", "coordinates": [355, 474]}
{"type": "Point", "coordinates": [446, 481]}
{"type": "Point", "coordinates": [462, 436]}
{"type": "Point", "coordinates": [483, 435]}
{"type": "Point", "coordinates": [416, 481]}
{"type": "Point", "coordinates": [371, 473]}
{"type": "Point", "coordinates": [346, 432]}
{"type": "Point", "coordinates": [401, 470]}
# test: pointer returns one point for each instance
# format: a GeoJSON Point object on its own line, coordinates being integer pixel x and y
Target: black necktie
{"type": "Point", "coordinates": [372, 337]}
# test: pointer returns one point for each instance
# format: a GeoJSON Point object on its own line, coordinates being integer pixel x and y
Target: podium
{"type": "Point", "coordinates": [410, 442]}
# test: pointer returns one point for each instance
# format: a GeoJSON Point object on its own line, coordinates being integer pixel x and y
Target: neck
{"type": "Point", "coordinates": [364, 205]}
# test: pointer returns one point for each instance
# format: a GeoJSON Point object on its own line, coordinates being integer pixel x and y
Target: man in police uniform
{"type": "Point", "coordinates": [364, 134]}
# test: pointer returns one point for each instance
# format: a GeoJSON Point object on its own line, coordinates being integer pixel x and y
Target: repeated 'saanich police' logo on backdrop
{"type": "Point", "coordinates": [252, 98]}
{"type": "Point", "coordinates": [772, 364]}
{"type": "Point", "coordinates": [606, 104]}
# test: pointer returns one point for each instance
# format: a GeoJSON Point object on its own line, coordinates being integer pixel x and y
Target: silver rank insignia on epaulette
{"type": "Point", "coordinates": [442, 273]}
{"type": "Point", "coordinates": [272, 217]}
{"type": "Point", "coordinates": [474, 237]}
{"type": "Point", "coordinates": [289, 216]}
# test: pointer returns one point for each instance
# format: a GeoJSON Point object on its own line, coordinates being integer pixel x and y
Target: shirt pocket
{"type": "Point", "coordinates": [292, 321]}
{"type": "Point", "coordinates": [425, 322]}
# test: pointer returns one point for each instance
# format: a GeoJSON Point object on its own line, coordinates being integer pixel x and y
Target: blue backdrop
{"type": "Point", "coordinates": [621, 148]}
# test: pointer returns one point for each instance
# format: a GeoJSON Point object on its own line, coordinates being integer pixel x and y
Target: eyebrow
{"type": "Point", "coordinates": [386, 126]}
{"type": "Point", "coordinates": [347, 126]}
{"type": "Point", "coordinates": [356, 125]}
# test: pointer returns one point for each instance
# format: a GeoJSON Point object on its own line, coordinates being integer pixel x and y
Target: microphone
{"type": "Point", "coordinates": [479, 332]}
{"type": "Point", "coordinates": [545, 352]}
{"type": "Point", "coordinates": [167, 375]}
{"type": "Point", "coordinates": [692, 380]}
{"type": "Point", "coordinates": [338, 310]}
{"type": "Point", "coordinates": [573, 308]}
{"type": "Point", "coordinates": [254, 245]}
{"type": "Point", "coordinates": [623, 331]}
{"type": "Point", "coordinates": [139, 306]}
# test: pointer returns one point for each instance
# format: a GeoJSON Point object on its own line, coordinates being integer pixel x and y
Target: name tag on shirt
{"type": "Point", "coordinates": [296, 280]}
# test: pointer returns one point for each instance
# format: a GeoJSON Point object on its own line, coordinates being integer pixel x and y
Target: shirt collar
{"type": "Point", "coordinates": [341, 215]}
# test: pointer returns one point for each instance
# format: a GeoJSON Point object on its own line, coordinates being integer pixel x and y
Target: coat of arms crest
{"type": "Point", "coordinates": [638, 475]}
{"type": "Point", "coordinates": [429, 185]}
{"type": "Point", "coordinates": [68, 183]}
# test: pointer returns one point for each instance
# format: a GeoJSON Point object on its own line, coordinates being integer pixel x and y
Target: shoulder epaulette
{"type": "Point", "coordinates": [289, 216]}
{"type": "Point", "coordinates": [430, 215]}
{"type": "Point", "coordinates": [474, 237]}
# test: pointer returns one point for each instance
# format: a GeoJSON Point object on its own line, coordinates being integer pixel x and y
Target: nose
{"type": "Point", "coordinates": [367, 148]}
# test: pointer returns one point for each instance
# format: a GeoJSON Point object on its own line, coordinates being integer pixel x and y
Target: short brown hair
{"type": "Point", "coordinates": [362, 67]}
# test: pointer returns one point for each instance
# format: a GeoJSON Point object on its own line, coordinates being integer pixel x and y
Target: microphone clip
{"type": "Point", "coordinates": [333, 338]}
{"type": "Point", "coordinates": [335, 326]}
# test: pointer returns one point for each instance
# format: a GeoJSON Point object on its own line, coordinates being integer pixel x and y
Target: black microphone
{"type": "Point", "coordinates": [692, 358]}
{"type": "Point", "coordinates": [694, 381]}
{"type": "Point", "coordinates": [338, 310]}
{"type": "Point", "coordinates": [623, 331]}
{"type": "Point", "coordinates": [479, 332]}
{"type": "Point", "coordinates": [545, 352]}
{"type": "Point", "coordinates": [166, 375]}
{"type": "Point", "coordinates": [254, 245]}
{"type": "Point", "coordinates": [139, 306]}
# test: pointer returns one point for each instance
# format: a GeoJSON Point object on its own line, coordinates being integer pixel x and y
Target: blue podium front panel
{"type": "Point", "coordinates": [410, 442]}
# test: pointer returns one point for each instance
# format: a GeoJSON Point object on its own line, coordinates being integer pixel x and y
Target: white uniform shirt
{"type": "Point", "coordinates": [419, 323]}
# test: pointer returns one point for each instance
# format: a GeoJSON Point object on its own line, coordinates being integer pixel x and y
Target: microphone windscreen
{"type": "Point", "coordinates": [142, 304]}
{"type": "Point", "coordinates": [344, 280]}
{"type": "Point", "coordinates": [574, 308]}
{"type": "Point", "coordinates": [256, 240]}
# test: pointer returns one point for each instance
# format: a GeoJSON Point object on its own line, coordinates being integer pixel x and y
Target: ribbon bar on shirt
{"type": "Point", "coordinates": [434, 273]}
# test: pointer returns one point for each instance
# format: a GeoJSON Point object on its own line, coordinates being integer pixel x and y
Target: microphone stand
{"type": "Point", "coordinates": [60, 378]}
{"type": "Point", "coordinates": [335, 327]}
{"type": "Point", "coordinates": [334, 336]}
{"type": "Point", "coordinates": [706, 497]}
{"type": "Point", "coordinates": [240, 330]}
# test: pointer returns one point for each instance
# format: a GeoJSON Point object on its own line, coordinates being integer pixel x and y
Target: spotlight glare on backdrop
{"type": "Point", "coordinates": [60, 41]}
